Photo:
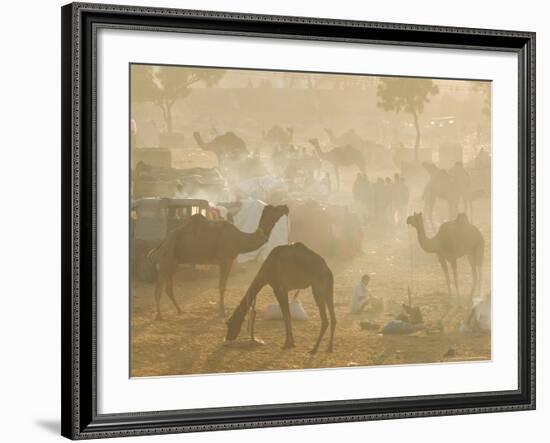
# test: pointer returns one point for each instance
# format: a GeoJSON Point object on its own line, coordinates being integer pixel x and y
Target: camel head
{"type": "Point", "coordinates": [415, 220]}
{"type": "Point", "coordinates": [271, 215]}
{"type": "Point", "coordinates": [235, 322]}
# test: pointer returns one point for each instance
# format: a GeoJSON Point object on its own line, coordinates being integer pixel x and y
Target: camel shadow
{"type": "Point", "coordinates": [215, 361]}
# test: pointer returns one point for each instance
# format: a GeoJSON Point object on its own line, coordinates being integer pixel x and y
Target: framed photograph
{"type": "Point", "coordinates": [275, 221]}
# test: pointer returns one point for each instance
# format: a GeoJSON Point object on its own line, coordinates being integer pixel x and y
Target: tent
{"type": "Point", "coordinates": [247, 220]}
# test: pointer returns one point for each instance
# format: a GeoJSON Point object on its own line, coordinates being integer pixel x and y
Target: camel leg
{"type": "Point", "coordinates": [256, 286]}
{"type": "Point", "coordinates": [158, 292]}
{"type": "Point", "coordinates": [330, 306]}
{"type": "Point", "coordinates": [319, 299]}
{"type": "Point", "coordinates": [479, 281]}
{"type": "Point", "coordinates": [170, 288]}
{"type": "Point", "coordinates": [164, 271]}
{"type": "Point", "coordinates": [479, 264]}
{"type": "Point", "coordinates": [225, 269]}
{"type": "Point", "coordinates": [252, 320]}
{"type": "Point", "coordinates": [337, 174]}
{"type": "Point", "coordinates": [471, 260]}
{"type": "Point", "coordinates": [282, 298]}
{"type": "Point", "coordinates": [455, 278]}
{"type": "Point", "coordinates": [443, 264]}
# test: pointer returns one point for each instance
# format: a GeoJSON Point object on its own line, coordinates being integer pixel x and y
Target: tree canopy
{"type": "Point", "coordinates": [164, 85]}
{"type": "Point", "coordinates": [408, 95]}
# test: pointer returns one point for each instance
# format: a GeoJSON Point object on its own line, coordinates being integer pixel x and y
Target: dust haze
{"type": "Point", "coordinates": [294, 220]}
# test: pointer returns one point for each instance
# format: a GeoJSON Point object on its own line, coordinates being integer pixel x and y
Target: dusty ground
{"type": "Point", "coordinates": [192, 343]}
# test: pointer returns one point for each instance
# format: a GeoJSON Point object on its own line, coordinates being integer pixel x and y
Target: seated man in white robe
{"type": "Point", "coordinates": [360, 297]}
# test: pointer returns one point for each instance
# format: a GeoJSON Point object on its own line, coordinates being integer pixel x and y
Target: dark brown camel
{"type": "Point", "coordinates": [287, 268]}
{"type": "Point", "coordinates": [202, 241]}
{"type": "Point", "coordinates": [454, 239]}
{"type": "Point", "coordinates": [340, 156]}
{"type": "Point", "coordinates": [228, 145]}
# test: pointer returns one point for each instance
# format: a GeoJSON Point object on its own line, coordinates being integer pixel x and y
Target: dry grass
{"type": "Point", "coordinates": [192, 343]}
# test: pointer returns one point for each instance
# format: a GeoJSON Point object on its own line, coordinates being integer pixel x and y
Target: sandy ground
{"type": "Point", "coordinates": [193, 342]}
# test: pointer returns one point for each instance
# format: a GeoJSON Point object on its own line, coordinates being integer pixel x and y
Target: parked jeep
{"type": "Point", "coordinates": [151, 220]}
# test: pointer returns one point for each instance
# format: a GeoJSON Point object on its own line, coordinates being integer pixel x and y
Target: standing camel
{"type": "Point", "coordinates": [454, 239]}
{"type": "Point", "coordinates": [286, 268]}
{"type": "Point", "coordinates": [348, 138]}
{"type": "Point", "coordinates": [339, 157]}
{"type": "Point", "coordinates": [228, 145]}
{"type": "Point", "coordinates": [373, 152]}
{"type": "Point", "coordinates": [209, 242]}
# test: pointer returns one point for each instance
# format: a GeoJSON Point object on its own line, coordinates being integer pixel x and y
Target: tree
{"type": "Point", "coordinates": [164, 85]}
{"type": "Point", "coordinates": [406, 94]}
{"type": "Point", "coordinates": [142, 83]}
{"type": "Point", "coordinates": [484, 90]}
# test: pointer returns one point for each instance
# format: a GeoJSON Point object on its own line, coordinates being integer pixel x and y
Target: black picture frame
{"type": "Point", "coordinates": [79, 177]}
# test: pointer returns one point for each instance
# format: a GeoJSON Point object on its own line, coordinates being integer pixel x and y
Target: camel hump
{"type": "Point", "coordinates": [462, 218]}
{"type": "Point", "coordinates": [197, 218]}
{"type": "Point", "coordinates": [300, 245]}
{"type": "Point", "coordinates": [195, 222]}
{"type": "Point", "coordinates": [309, 257]}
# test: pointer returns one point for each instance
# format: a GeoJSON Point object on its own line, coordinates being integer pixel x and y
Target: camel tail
{"type": "Point", "coordinates": [152, 255]}
{"type": "Point", "coordinates": [166, 245]}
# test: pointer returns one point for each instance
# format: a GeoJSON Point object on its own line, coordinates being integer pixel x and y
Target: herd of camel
{"type": "Point", "coordinates": [293, 266]}
{"type": "Point", "coordinates": [347, 150]}
{"type": "Point", "coordinates": [231, 146]}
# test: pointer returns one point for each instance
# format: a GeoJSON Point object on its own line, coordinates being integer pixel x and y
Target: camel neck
{"type": "Point", "coordinates": [251, 241]}
{"type": "Point", "coordinates": [428, 244]}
